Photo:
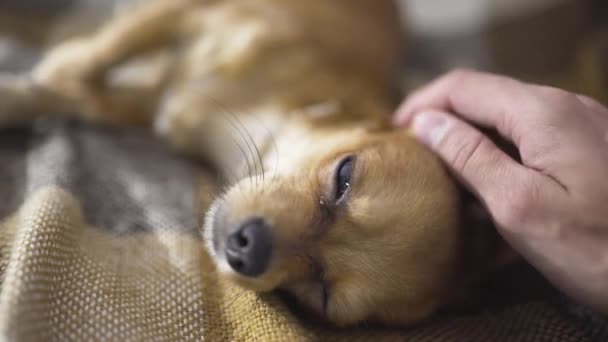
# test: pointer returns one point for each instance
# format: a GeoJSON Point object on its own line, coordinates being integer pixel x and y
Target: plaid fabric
{"type": "Point", "coordinates": [99, 240]}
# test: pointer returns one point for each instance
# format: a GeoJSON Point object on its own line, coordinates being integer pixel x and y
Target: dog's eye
{"type": "Point", "coordinates": [343, 178]}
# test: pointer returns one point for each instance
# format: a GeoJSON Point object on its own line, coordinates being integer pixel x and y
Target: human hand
{"type": "Point", "coordinates": [553, 206]}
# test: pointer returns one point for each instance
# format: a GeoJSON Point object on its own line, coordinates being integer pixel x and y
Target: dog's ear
{"type": "Point", "coordinates": [484, 254]}
{"type": "Point", "coordinates": [484, 247]}
{"type": "Point", "coordinates": [487, 242]}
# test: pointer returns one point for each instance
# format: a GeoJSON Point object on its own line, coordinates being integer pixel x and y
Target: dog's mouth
{"type": "Point", "coordinates": [309, 299]}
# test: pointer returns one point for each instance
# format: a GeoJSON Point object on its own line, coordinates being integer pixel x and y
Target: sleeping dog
{"type": "Point", "coordinates": [291, 101]}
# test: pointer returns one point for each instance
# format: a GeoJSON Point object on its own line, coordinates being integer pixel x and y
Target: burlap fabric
{"type": "Point", "coordinates": [99, 240]}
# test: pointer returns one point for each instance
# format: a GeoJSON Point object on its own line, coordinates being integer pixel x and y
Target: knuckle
{"type": "Point", "coordinates": [463, 148]}
{"type": "Point", "coordinates": [555, 105]}
{"type": "Point", "coordinates": [587, 100]}
{"type": "Point", "coordinates": [554, 92]}
{"type": "Point", "coordinates": [556, 98]}
{"type": "Point", "coordinates": [455, 76]}
{"type": "Point", "coordinates": [517, 207]}
{"type": "Point", "coordinates": [592, 104]}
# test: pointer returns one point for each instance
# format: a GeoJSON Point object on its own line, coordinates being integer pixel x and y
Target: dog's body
{"type": "Point", "coordinates": [357, 221]}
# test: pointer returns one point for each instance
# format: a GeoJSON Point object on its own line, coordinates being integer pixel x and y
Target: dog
{"type": "Point", "coordinates": [290, 100]}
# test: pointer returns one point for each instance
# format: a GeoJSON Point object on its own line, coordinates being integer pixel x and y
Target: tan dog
{"type": "Point", "coordinates": [357, 221]}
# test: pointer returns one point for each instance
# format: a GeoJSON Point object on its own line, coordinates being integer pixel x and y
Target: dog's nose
{"type": "Point", "coordinates": [248, 249]}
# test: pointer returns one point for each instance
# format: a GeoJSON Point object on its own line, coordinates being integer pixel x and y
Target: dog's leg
{"type": "Point", "coordinates": [131, 96]}
{"type": "Point", "coordinates": [151, 25]}
{"type": "Point", "coordinates": [154, 24]}
{"type": "Point", "coordinates": [73, 75]}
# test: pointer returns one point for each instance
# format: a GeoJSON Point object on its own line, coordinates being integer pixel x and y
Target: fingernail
{"type": "Point", "coordinates": [430, 127]}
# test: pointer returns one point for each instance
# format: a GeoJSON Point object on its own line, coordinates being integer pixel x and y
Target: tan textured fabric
{"type": "Point", "coordinates": [64, 280]}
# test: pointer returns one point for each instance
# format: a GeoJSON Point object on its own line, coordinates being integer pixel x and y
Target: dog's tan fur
{"type": "Point", "coordinates": [312, 82]}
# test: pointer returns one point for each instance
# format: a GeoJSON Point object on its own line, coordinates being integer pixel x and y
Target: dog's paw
{"type": "Point", "coordinates": [67, 69]}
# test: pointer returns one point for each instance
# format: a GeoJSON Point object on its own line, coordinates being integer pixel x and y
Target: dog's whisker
{"type": "Point", "coordinates": [228, 117]}
{"type": "Point", "coordinates": [242, 150]}
{"type": "Point", "coordinates": [273, 142]}
{"type": "Point", "coordinates": [255, 147]}
{"type": "Point", "coordinates": [251, 170]}
{"type": "Point", "coordinates": [228, 303]}
{"type": "Point", "coordinates": [248, 139]}
{"type": "Point", "coordinates": [263, 172]}
{"type": "Point", "coordinates": [231, 118]}
{"type": "Point", "coordinates": [233, 177]}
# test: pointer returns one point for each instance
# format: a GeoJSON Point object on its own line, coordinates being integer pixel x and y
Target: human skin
{"type": "Point", "coordinates": [552, 207]}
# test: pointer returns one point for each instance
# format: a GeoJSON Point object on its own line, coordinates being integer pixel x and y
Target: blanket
{"type": "Point", "coordinates": [100, 240]}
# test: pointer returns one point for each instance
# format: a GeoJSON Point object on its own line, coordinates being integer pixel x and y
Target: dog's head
{"type": "Point", "coordinates": [358, 226]}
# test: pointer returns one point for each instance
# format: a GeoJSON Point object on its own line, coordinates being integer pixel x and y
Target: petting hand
{"type": "Point", "coordinates": [553, 206]}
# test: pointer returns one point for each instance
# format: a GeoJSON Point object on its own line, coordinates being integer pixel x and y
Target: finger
{"type": "Point", "coordinates": [592, 104]}
{"type": "Point", "coordinates": [598, 112]}
{"type": "Point", "coordinates": [488, 100]}
{"type": "Point", "coordinates": [473, 157]}
{"type": "Point", "coordinates": [453, 91]}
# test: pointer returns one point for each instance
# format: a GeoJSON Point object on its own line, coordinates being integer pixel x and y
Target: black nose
{"type": "Point", "coordinates": [248, 249]}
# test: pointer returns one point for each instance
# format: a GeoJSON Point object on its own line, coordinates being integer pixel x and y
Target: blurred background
{"type": "Point", "coordinates": [558, 42]}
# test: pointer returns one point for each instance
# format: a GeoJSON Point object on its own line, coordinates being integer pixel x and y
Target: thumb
{"type": "Point", "coordinates": [472, 156]}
